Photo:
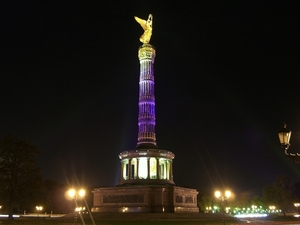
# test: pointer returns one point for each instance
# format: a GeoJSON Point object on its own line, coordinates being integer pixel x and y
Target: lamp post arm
{"type": "Point", "coordinates": [294, 157]}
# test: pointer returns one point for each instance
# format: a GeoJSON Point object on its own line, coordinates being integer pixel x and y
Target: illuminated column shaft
{"type": "Point", "coordinates": [146, 117]}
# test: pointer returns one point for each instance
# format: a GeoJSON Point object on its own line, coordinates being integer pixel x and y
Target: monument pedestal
{"type": "Point", "coordinates": [145, 198]}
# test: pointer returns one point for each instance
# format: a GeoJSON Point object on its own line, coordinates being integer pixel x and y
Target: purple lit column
{"type": "Point", "coordinates": [146, 117]}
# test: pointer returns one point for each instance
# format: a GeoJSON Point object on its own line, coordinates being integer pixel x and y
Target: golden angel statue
{"type": "Point", "coordinates": [147, 26]}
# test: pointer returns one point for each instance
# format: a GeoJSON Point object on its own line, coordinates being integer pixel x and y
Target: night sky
{"type": "Point", "coordinates": [226, 78]}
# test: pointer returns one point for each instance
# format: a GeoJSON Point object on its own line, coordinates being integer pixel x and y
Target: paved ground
{"type": "Point", "coordinates": [155, 219]}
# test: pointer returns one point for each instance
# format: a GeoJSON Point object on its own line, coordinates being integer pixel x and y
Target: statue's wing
{"type": "Point", "coordinates": [142, 22]}
{"type": "Point", "coordinates": [149, 21]}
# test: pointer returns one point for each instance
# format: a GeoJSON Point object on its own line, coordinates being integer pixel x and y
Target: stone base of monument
{"type": "Point", "coordinates": [142, 198]}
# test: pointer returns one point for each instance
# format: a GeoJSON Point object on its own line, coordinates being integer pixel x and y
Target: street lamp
{"type": "Point", "coordinates": [272, 208]}
{"type": "Point", "coordinates": [223, 197]}
{"type": "Point", "coordinates": [76, 194]}
{"type": "Point", "coordinates": [284, 136]}
{"type": "Point", "coordinates": [226, 195]}
{"type": "Point", "coordinates": [254, 208]}
{"type": "Point", "coordinates": [297, 206]}
{"type": "Point", "coordinates": [39, 208]}
{"type": "Point", "coordinates": [208, 209]}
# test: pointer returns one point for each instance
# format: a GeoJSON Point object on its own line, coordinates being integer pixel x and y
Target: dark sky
{"type": "Point", "coordinates": [226, 78]}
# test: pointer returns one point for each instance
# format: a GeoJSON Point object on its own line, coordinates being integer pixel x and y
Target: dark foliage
{"type": "Point", "coordinates": [21, 184]}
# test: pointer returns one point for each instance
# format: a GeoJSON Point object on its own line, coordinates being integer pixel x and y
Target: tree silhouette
{"type": "Point", "coordinates": [280, 193]}
{"type": "Point", "coordinates": [21, 183]}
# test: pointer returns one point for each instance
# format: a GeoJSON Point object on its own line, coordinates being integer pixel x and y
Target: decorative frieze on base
{"type": "Point", "coordinates": [123, 198]}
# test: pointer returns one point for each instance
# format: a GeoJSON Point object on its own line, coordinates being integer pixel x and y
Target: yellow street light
{"type": "Point", "coordinates": [223, 197]}
{"type": "Point", "coordinates": [297, 206]}
{"type": "Point", "coordinates": [226, 195]}
{"type": "Point", "coordinates": [76, 194]}
{"type": "Point", "coordinates": [272, 208]}
{"type": "Point", "coordinates": [39, 208]}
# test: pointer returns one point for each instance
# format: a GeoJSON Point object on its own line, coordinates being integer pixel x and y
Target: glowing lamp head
{"type": "Point", "coordinates": [227, 194]}
{"type": "Point", "coordinates": [284, 136]}
{"type": "Point", "coordinates": [218, 194]}
{"type": "Point", "coordinates": [76, 194]}
{"type": "Point", "coordinates": [72, 193]}
{"type": "Point", "coordinates": [39, 208]}
{"type": "Point", "coordinates": [81, 193]}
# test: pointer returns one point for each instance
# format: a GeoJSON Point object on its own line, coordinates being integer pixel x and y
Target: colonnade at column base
{"type": "Point", "coordinates": [146, 166]}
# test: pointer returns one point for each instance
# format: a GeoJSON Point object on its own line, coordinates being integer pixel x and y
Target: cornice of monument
{"type": "Point", "coordinates": [150, 152]}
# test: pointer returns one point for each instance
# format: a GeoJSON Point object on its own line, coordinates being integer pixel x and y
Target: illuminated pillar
{"type": "Point", "coordinates": [137, 168]}
{"type": "Point", "coordinates": [157, 168]}
{"type": "Point", "coordinates": [171, 170]}
{"type": "Point", "coordinates": [148, 168]}
{"type": "Point", "coordinates": [168, 170]}
{"type": "Point", "coordinates": [122, 168]}
{"type": "Point", "coordinates": [129, 169]}
{"type": "Point", "coordinates": [146, 147]}
{"type": "Point", "coordinates": [146, 116]}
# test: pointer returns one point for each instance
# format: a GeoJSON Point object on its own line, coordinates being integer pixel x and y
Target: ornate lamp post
{"type": "Point", "coordinates": [74, 194]}
{"type": "Point", "coordinates": [39, 208]}
{"type": "Point", "coordinates": [272, 208]}
{"type": "Point", "coordinates": [284, 136]}
{"type": "Point", "coordinates": [223, 197]}
{"type": "Point", "coordinates": [254, 208]}
{"type": "Point", "coordinates": [297, 206]}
